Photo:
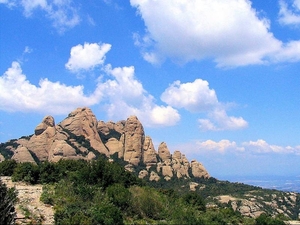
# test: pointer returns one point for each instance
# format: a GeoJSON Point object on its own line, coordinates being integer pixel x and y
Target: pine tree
{"type": "Point", "coordinates": [8, 197]}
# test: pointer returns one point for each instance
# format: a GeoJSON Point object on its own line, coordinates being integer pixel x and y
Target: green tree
{"type": "Point", "coordinates": [7, 167]}
{"type": "Point", "coordinates": [27, 172]}
{"type": "Point", "coordinates": [194, 199]}
{"type": "Point", "coordinates": [8, 197]}
{"type": "Point", "coordinates": [119, 195]}
{"type": "Point", "coordinates": [265, 219]}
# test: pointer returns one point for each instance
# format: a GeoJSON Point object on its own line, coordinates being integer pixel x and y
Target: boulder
{"type": "Point", "coordinates": [193, 186]}
{"type": "Point", "coordinates": [154, 176]}
{"type": "Point", "coordinates": [143, 174]}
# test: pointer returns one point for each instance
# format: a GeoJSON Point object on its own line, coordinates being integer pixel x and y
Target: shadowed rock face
{"type": "Point", "coordinates": [79, 135]}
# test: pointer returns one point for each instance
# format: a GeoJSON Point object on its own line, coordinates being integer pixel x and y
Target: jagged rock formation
{"type": "Point", "coordinates": [81, 136]}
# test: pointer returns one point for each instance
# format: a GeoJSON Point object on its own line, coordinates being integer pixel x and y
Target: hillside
{"type": "Point", "coordinates": [87, 157]}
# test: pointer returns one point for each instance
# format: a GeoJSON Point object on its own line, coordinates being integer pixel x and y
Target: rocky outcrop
{"type": "Point", "coordinates": [149, 153]}
{"type": "Point", "coordinates": [163, 152]}
{"type": "Point", "coordinates": [41, 141]}
{"type": "Point", "coordinates": [133, 140]}
{"type": "Point", "coordinates": [48, 121]}
{"type": "Point", "coordinates": [82, 122]}
{"type": "Point", "coordinates": [22, 154]}
{"type": "Point", "coordinates": [198, 169]}
{"type": "Point", "coordinates": [154, 176]}
{"type": "Point", "coordinates": [81, 136]}
{"type": "Point", "coordinates": [254, 203]}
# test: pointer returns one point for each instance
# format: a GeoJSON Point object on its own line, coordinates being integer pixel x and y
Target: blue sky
{"type": "Point", "coordinates": [217, 80]}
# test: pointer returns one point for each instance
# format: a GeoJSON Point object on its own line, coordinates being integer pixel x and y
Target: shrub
{"type": "Point", "coordinates": [194, 199]}
{"type": "Point", "coordinates": [7, 167]}
{"type": "Point", "coordinates": [119, 195]}
{"type": "Point", "coordinates": [148, 203]}
{"type": "Point", "coordinates": [8, 198]}
{"type": "Point", "coordinates": [27, 172]}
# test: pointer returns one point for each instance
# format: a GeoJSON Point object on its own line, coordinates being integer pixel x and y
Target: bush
{"type": "Point", "coordinates": [265, 219]}
{"type": "Point", "coordinates": [119, 195]}
{"type": "Point", "coordinates": [106, 213]}
{"type": "Point", "coordinates": [194, 199]}
{"type": "Point", "coordinates": [148, 203]}
{"type": "Point", "coordinates": [47, 196]}
{"type": "Point", "coordinates": [7, 167]}
{"type": "Point", "coordinates": [8, 198]}
{"type": "Point", "coordinates": [27, 172]}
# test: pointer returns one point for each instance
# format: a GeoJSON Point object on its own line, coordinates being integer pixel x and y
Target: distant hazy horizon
{"type": "Point", "coordinates": [282, 183]}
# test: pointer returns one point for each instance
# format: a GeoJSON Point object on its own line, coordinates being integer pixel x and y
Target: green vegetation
{"type": "Point", "coordinates": [103, 192]}
{"type": "Point", "coordinates": [8, 198]}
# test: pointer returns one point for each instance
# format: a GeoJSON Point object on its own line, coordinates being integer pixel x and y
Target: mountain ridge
{"type": "Point", "coordinates": [81, 136]}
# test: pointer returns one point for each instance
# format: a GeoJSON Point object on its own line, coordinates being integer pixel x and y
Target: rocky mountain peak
{"type": "Point", "coordinates": [81, 136]}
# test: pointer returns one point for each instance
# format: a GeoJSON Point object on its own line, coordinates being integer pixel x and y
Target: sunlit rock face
{"type": "Point", "coordinates": [81, 136]}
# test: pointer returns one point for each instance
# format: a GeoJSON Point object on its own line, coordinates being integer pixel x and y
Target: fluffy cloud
{"type": "Point", "coordinates": [18, 94]}
{"type": "Point", "coordinates": [62, 13]}
{"type": "Point", "coordinates": [87, 56]}
{"type": "Point", "coordinates": [232, 33]}
{"type": "Point", "coordinates": [125, 93]}
{"type": "Point", "coordinates": [117, 92]}
{"type": "Point", "coordinates": [289, 15]}
{"type": "Point", "coordinates": [197, 97]}
{"type": "Point", "coordinates": [261, 146]}
{"type": "Point", "coordinates": [224, 146]}
{"type": "Point", "coordinates": [221, 146]}
{"type": "Point", "coordinates": [219, 120]}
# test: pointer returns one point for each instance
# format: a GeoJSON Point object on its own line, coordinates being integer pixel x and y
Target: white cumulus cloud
{"type": "Point", "coordinates": [18, 94]}
{"type": "Point", "coordinates": [197, 97]}
{"type": "Point", "coordinates": [125, 94]}
{"type": "Point", "coordinates": [194, 96]}
{"type": "Point", "coordinates": [87, 56]}
{"type": "Point", "coordinates": [231, 33]}
{"type": "Point", "coordinates": [219, 120]}
{"type": "Point", "coordinates": [220, 146]}
{"type": "Point", "coordinates": [261, 146]}
{"type": "Point", "coordinates": [224, 146]}
{"type": "Point", "coordinates": [121, 95]}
